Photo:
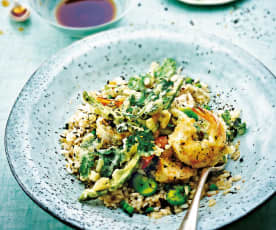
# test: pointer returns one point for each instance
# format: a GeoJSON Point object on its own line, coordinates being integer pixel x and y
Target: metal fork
{"type": "Point", "coordinates": [189, 221]}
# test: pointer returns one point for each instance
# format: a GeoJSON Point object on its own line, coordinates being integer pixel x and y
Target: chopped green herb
{"type": "Point", "coordinates": [141, 84]}
{"type": "Point", "coordinates": [213, 187]}
{"type": "Point", "coordinates": [176, 89]}
{"type": "Point", "coordinates": [141, 101]}
{"type": "Point", "coordinates": [190, 113]}
{"type": "Point", "coordinates": [126, 208]}
{"type": "Point", "coordinates": [198, 85]}
{"type": "Point", "coordinates": [189, 80]}
{"type": "Point", "coordinates": [131, 140]}
{"type": "Point", "coordinates": [144, 139]}
{"type": "Point", "coordinates": [132, 100]}
{"type": "Point", "coordinates": [129, 110]}
{"type": "Point", "coordinates": [208, 107]}
{"type": "Point", "coordinates": [149, 210]}
{"type": "Point", "coordinates": [87, 98]}
{"type": "Point", "coordinates": [94, 132]}
{"type": "Point", "coordinates": [231, 134]}
{"type": "Point", "coordinates": [239, 126]}
{"type": "Point", "coordinates": [235, 128]}
{"type": "Point", "coordinates": [166, 84]}
{"type": "Point", "coordinates": [241, 129]}
{"type": "Point", "coordinates": [226, 117]}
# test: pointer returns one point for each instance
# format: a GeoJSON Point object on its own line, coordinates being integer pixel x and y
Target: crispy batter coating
{"type": "Point", "coordinates": [199, 153]}
{"type": "Point", "coordinates": [171, 170]}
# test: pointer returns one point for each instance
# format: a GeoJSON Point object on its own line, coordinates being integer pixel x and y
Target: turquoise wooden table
{"type": "Point", "coordinates": [250, 24]}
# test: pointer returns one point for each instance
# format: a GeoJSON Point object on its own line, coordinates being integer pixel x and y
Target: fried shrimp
{"type": "Point", "coordinates": [199, 153]}
{"type": "Point", "coordinates": [171, 170]}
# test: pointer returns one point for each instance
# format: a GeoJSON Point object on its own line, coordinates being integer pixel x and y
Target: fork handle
{"type": "Point", "coordinates": [189, 222]}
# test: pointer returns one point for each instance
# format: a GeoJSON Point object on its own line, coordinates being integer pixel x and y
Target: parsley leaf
{"type": "Point", "coordinates": [226, 117]}
{"type": "Point", "coordinates": [131, 140]}
{"type": "Point", "coordinates": [166, 84]}
{"type": "Point", "coordinates": [144, 139]}
{"type": "Point", "coordinates": [235, 128]}
{"type": "Point", "coordinates": [132, 100]}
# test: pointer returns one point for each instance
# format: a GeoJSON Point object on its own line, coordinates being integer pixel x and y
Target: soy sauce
{"type": "Point", "coordinates": [85, 13]}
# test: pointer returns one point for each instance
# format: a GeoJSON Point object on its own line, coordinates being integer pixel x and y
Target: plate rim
{"type": "Point", "coordinates": [94, 38]}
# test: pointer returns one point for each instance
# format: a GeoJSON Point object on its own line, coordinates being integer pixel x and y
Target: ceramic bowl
{"type": "Point", "coordinates": [207, 2]}
{"type": "Point", "coordinates": [47, 10]}
{"type": "Point", "coordinates": [54, 91]}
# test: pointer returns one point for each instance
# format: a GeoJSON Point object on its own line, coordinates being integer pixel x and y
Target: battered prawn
{"type": "Point", "coordinates": [199, 153]}
{"type": "Point", "coordinates": [171, 170]}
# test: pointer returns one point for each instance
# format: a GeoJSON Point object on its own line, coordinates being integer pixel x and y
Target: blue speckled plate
{"type": "Point", "coordinates": [53, 92]}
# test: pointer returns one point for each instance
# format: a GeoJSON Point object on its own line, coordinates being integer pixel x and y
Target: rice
{"type": "Point", "coordinates": [113, 199]}
{"type": "Point", "coordinates": [236, 154]}
{"type": "Point", "coordinates": [226, 191]}
{"type": "Point", "coordinates": [80, 124]}
{"type": "Point", "coordinates": [212, 193]}
{"type": "Point", "coordinates": [160, 213]}
{"type": "Point", "coordinates": [236, 178]}
{"type": "Point", "coordinates": [84, 121]}
{"type": "Point", "coordinates": [211, 202]}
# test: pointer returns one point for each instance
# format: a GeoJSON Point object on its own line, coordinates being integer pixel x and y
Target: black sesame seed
{"type": "Point", "coordinates": [236, 21]}
{"type": "Point", "coordinates": [232, 192]}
